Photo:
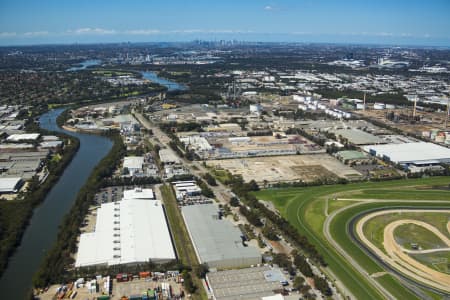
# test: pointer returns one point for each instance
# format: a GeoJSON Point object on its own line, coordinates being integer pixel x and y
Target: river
{"type": "Point", "coordinates": [171, 85]}
{"type": "Point", "coordinates": [42, 230]}
{"type": "Point", "coordinates": [83, 65]}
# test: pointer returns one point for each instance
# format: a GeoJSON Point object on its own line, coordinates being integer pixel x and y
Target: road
{"type": "Point", "coordinates": [222, 192]}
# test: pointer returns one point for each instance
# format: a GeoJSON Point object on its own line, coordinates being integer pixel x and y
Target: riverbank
{"type": "Point", "coordinates": [45, 219]}
{"type": "Point", "coordinates": [55, 266]}
{"type": "Point", "coordinates": [15, 215]}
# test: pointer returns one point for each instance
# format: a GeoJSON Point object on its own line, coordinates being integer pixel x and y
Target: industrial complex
{"type": "Point", "coordinates": [217, 242]}
{"type": "Point", "coordinates": [130, 231]}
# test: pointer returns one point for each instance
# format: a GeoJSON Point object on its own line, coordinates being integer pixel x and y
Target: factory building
{"type": "Point", "coordinates": [416, 156]}
{"type": "Point", "coordinates": [10, 185]}
{"type": "Point", "coordinates": [216, 241]}
{"type": "Point", "coordinates": [127, 232]}
{"type": "Point", "coordinates": [168, 157]}
{"type": "Point", "coordinates": [134, 164]}
{"type": "Point", "coordinates": [186, 189]}
{"type": "Point", "coordinates": [138, 194]}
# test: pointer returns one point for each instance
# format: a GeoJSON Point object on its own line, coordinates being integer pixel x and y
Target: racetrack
{"type": "Point", "coordinates": [396, 257]}
{"type": "Point", "coordinates": [379, 256]}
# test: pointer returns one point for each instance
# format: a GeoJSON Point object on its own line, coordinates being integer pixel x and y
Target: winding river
{"type": "Point", "coordinates": [41, 233]}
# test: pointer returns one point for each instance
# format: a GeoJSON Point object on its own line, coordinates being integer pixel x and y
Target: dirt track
{"type": "Point", "coordinates": [400, 260]}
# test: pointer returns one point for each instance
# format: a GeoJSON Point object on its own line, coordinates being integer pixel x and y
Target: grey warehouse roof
{"type": "Point", "coordinates": [217, 242]}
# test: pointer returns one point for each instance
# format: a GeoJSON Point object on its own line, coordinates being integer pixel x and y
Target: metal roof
{"type": "Point", "coordinates": [216, 240]}
{"type": "Point", "coordinates": [411, 152]}
{"type": "Point", "coordinates": [128, 231]}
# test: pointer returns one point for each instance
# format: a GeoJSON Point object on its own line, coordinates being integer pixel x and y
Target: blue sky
{"type": "Point", "coordinates": [401, 22]}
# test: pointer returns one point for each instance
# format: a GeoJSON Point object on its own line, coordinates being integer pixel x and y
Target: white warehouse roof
{"type": "Point", "coordinates": [10, 184]}
{"type": "Point", "coordinates": [126, 232]}
{"type": "Point", "coordinates": [23, 137]}
{"type": "Point", "coordinates": [411, 153]}
{"type": "Point", "coordinates": [138, 194]}
{"type": "Point", "coordinates": [133, 162]}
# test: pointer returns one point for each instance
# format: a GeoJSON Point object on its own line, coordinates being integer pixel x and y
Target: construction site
{"type": "Point", "coordinates": [307, 168]}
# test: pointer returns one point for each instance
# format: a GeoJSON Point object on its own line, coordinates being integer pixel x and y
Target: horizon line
{"type": "Point", "coordinates": [227, 40]}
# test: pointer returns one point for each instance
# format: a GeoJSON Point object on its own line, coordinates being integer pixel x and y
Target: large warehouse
{"type": "Point", "coordinates": [419, 153]}
{"type": "Point", "coordinates": [127, 232]}
{"type": "Point", "coordinates": [216, 241]}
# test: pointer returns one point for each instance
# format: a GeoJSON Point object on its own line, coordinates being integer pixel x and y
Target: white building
{"type": "Point", "coordinates": [23, 137]}
{"type": "Point", "coordinates": [419, 154]}
{"type": "Point", "coordinates": [127, 232]}
{"type": "Point", "coordinates": [134, 164]}
{"type": "Point", "coordinates": [10, 185]}
{"type": "Point", "coordinates": [138, 194]}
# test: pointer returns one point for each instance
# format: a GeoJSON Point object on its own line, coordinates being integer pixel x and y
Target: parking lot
{"type": "Point", "coordinates": [109, 194]}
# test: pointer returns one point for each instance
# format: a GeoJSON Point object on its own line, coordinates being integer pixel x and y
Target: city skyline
{"type": "Point", "coordinates": [418, 23]}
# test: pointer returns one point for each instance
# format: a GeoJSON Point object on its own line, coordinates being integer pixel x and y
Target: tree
{"type": "Point", "coordinates": [201, 270]}
{"type": "Point", "coordinates": [298, 282]}
{"type": "Point", "coordinates": [234, 202]}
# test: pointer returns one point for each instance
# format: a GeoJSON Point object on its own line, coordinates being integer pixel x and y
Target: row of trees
{"type": "Point", "coordinates": [254, 209]}
{"type": "Point", "coordinates": [59, 259]}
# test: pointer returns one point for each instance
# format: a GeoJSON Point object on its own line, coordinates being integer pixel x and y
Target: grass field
{"type": "Point", "coordinates": [306, 209]}
{"type": "Point", "coordinates": [407, 234]}
{"type": "Point", "coordinates": [373, 229]}
{"type": "Point", "coordinates": [185, 249]}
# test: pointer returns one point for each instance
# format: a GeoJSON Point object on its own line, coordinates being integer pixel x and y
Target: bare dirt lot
{"type": "Point", "coordinates": [286, 168]}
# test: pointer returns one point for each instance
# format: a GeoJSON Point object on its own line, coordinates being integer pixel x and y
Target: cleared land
{"type": "Point", "coordinates": [307, 168]}
{"type": "Point", "coordinates": [306, 209]}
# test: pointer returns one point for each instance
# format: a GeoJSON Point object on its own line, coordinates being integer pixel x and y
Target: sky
{"type": "Point", "coordinates": [396, 22]}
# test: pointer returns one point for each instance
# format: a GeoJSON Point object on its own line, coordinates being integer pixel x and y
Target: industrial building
{"type": "Point", "coordinates": [127, 232]}
{"type": "Point", "coordinates": [419, 154]}
{"type": "Point", "coordinates": [358, 137]}
{"type": "Point", "coordinates": [167, 156]}
{"type": "Point", "coordinates": [216, 241]}
{"type": "Point", "coordinates": [249, 284]}
{"type": "Point", "coordinates": [186, 189]}
{"type": "Point", "coordinates": [10, 185]}
{"type": "Point", "coordinates": [352, 157]}
{"type": "Point", "coordinates": [134, 164]}
{"type": "Point", "coordinates": [138, 194]}
{"type": "Point", "coordinates": [23, 137]}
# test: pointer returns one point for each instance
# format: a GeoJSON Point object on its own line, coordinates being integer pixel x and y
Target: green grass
{"type": "Point", "coordinates": [438, 261]}
{"type": "Point", "coordinates": [400, 194]}
{"type": "Point", "coordinates": [374, 228]}
{"type": "Point", "coordinates": [395, 288]}
{"type": "Point", "coordinates": [183, 244]}
{"type": "Point", "coordinates": [407, 234]}
{"type": "Point", "coordinates": [304, 208]}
